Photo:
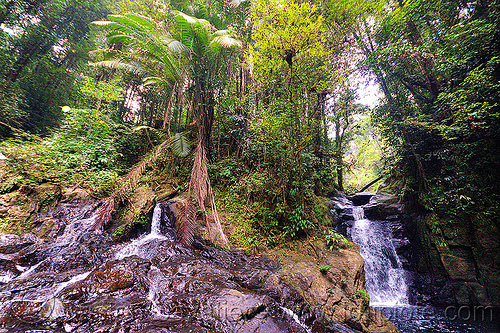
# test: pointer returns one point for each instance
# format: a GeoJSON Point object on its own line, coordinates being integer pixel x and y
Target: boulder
{"type": "Point", "coordinates": [360, 199]}
{"type": "Point", "coordinates": [13, 243]}
{"type": "Point", "coordinates": [52, 309]}
{"type": "Point", "coordinates": [333, 293]}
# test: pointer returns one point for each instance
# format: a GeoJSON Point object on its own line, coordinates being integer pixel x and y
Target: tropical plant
{"type": "Point", "coordinates": [208, 50]}
{"type": "Point", "coordinates": [146, 48]}
{"type": "Point", "coordinates": [191, 62]}
{"type": "Point", "coordinates": [335, 240]}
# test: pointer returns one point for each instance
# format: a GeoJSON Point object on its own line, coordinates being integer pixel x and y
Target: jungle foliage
{"type": "Point", "coordinates": [261, 98]}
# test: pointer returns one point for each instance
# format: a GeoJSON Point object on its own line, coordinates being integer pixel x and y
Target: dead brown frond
{"type": "Point", "coordinates": [128, 184]}
{"type": "Point", "coordinates": [200, 188]}
{"type": "Point", "coordinates": [105, 214]}
{"type": "Point", "coordinates": [199, 176]}
{"type": "Point", "coordinates": [185, 220]}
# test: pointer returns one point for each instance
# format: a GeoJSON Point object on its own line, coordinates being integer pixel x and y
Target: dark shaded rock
{"type": "Point", "coordinates": [458, 262]}
{"type": "Point", "coordinates": [360, 199]}
{"type": "Point", "coordinates": [78, 282]}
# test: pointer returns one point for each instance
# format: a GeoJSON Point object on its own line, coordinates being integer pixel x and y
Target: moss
{"type": "Point", "coordinates": [141, 219]}
{"type": "Point", "coordinates": [434, 223]}
{"type": "Point", "coordinates": [14, 225]}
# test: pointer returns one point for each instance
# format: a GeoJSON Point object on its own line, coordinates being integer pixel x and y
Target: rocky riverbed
{"type": "Point", "coordinates": [76, 280]}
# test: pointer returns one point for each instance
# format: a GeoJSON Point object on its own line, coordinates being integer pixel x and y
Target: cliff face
{"type": "Point", "coordinates": [449, 261]}
{"type": "Point", "coordinates": [461, 258]}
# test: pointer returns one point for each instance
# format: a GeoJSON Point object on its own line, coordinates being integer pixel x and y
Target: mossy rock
{"type": "Point", "coordinates": [135, 215]}
{"type": "Point", "coordinates": [18, 208]}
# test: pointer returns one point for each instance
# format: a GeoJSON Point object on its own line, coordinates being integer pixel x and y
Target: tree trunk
{"type": "Point", "coordinates": [340, 175]}
{"type": "Point", "coordinates": [426, 64]}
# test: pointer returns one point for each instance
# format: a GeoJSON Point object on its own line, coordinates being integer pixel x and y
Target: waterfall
{"type": "Point", "coordinates": [139, 246]}
{"type": "Point", "coordinates": [386, 280]}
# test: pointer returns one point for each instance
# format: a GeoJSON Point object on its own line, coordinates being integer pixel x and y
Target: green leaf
{"type": "Point", "coordinates": [181, 144]}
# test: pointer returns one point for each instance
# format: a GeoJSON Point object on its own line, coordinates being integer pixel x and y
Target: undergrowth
{"type": "Point", "coordinates": [89, 151]}
{"type": "Point", "coordinates": [258, 216]}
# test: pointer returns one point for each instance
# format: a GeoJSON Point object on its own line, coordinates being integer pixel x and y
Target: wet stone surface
{"type": "Point", "coordinates": [79, 281]}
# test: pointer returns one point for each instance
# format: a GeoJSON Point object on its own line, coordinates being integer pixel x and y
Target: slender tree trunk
{"type": "Point", "coordinates": [426, 64]}
{"type": "Point", "coordinates": [166, 124]}
{"type": "Point", "coordinates": [338, 157]}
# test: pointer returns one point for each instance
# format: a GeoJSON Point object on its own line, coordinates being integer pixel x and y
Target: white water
{"type": "Point", "coordinates": [73, 280]}
{"type": "Point", "coordinates": [29, 271]}
{"type": "Point", "coordinates": [156, 277]}
{"type": "Point", "coordinates": [140, 248]}
{"type": "Point", "coordinates": [74, 231]}
{"type": "Point", "coordinates": [5, 278]}
{"type": "Point", "coordinates": [386, 280]}
{"type": "Point", "coordinates": [136, 247]}
{"type": "Point", "coordinates": [44, 294]}
{"type": "Point", "coordinates": [296, 319]}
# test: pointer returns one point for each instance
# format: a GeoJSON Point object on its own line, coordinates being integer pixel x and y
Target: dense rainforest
{"type": "Point", "coordinates": [251, 111]}
{"type": "Point", "coordinates": [258, 99]}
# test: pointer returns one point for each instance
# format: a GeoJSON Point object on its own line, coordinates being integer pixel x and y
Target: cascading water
{"type": "Point", "coordinates": [139, 246]}
{"type": "Point", "coordinates": [77, 280]}
{"type": "Point", "coordinates": [386, 280]}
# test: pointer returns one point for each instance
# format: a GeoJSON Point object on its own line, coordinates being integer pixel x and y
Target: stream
{"type": "Point", "coordinates": [388, 283]}
{"type": "Point", "coordinates": [82, 281]}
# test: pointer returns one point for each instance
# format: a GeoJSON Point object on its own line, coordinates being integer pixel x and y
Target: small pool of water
{"type": "Point", "coordinates": [409, 319]}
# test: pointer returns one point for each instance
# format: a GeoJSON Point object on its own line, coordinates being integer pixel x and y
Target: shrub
{"type": "Point", "coordinates": [335, 240]}
{"type": "Point", "coordinates": [364, 296]}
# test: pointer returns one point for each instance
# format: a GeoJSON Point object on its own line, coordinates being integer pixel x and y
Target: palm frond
{"type": "Point", "coordinates": [103, 22]}
{"type": "Point", "coordinates": [132, 21]}
{"type": "Point", "coordinates": [154, 80]}
{"type": "Point", "coordinates": [142, 20]}
{"type": "Point", "coordinates": [189, 19]}
{"type": "Point", "coordinates": [176, 46]}
{"type": "Point", "coordinates": [181, 145]}
{"type": "Point", "coordinates": [117, 64]}
{"type": "Point", "coordinates": [225, 41]}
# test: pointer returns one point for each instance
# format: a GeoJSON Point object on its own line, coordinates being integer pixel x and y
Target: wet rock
{"type": "Point", "coordinates": [459, 263]}
{"type": "Point", "coordinates": [80, 284]}
{"type": "Point", "coordinates": [116, 276]}
{"type": "Point", "coordinates": [14, 243]}
{"type": "Point", "coordinates": [360, 199]}
{"type": "Point", "coordinates": [232, 305]}
{"type": "Point", "coordinates": [52, 309]}
{"type": "Point", "coordinates": [384, 207]}
{"type": "Point", "coordinates": [17, 312]}
{"type": "Point", "coordinates": [132, 222]}
{"type": "Point", "coordinates": [8, 270]}
{"type": "Point", "coordinates": [333, 293]}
